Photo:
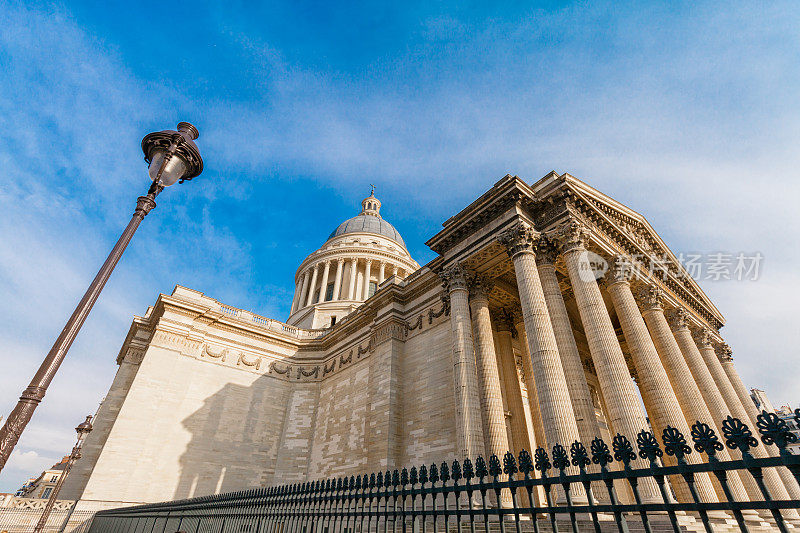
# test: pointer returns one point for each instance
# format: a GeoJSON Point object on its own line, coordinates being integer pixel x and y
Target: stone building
{"type": "Point", "coordinates": [552, 313]}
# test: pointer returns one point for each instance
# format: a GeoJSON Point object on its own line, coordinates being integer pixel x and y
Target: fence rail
{"type": "Point", "coordinates": [459, 495]}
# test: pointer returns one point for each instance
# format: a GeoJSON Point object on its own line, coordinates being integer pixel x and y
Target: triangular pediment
{"type": "Point", "coordinates": [626, 224]}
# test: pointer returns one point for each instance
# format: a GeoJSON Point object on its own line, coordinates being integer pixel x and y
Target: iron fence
{"type": "Point", "coordinates": [454, 496]}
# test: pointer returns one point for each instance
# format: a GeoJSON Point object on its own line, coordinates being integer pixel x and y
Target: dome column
{"type": "Point", "coordinates": [323, 288]}
{"type": "Point", "coordinates": [310, 299]}
{"type": "Point", "coordinates": [382, 272]}
{"type": "Point", "coordinates": [298, 288]}
{"type": "Point", "coordinates": [304, 292]}
{"type": "Point", "coordinates": [367, 273]}
{"type": "Point", "coordinates": [337, 282]}
{"type": "Point", "coordinates": [351, 290]}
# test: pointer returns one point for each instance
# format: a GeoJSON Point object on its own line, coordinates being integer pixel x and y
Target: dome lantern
{"type": "Point", "coordinates": [371, 205]}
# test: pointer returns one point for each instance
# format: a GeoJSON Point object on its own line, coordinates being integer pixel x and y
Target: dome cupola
{"type": "Point", "coordinates": [358, 256]}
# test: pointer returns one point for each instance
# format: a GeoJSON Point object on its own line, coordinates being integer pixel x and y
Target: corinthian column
{"type": "Point", "coordinates": [725, 358]}
{"type": "Point", "coordinates": [686, 389]}
{"type": "Point", "coordinates": [310, 299]}
{"type": "Point", "coordinates": [509, 375]}
{"type": "Point", "coordinates": [304, 292]}
{"type": "Point", "coordinates": [582, 406]}
{"type": "Point", "coordinates": [469, 434]}
{"type": "Point", "coordinates": [737, 408]}
{"type": "Point", "coordinates": [337, 281]}
{"type": "Point", "coordinates": [496, 437]}
{"type": "Point", "coordinates": [323, 288]}
{"type": "Point", "coordinates": [625, 414]}
{"type": "Point", "coordinates": [716, 404]}
{"type": "Point", "coordinates": [555, 405]}
{"type": "Point", "coordinates": [351, 289]}
{"type": "Point", "coordinates": [367, 274]}
{"type": "Point", "coordinates": [659, 399]}
{"type": "Point", "coordinates": [297, 290]}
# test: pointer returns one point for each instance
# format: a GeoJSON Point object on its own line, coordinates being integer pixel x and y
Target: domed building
{"type": "Point", "coordinates": [359, 255]}
{"type": "Point", "coordinates": [525, 330]}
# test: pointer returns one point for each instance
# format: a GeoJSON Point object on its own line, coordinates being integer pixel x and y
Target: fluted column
{"type": "Point", "coordinates": [298, 288]}
{"type": "Point", "coordinates": [337, 281]}
{"type": "Point", "coordinates": [367, 273]}
{"type": "Point", "coordinates": [659, 399]}
{"type": "Point", "coordinates": [626, 415]}
{"type": "Point", "coordinates": [582, 406]}
{"type": "Point", "coordinates": [351, 290]}
{"type": "Point", "coordinates": [469, 433]}
{"type": "Point", "coordinates": [680, 377]}
{"type": "Point", "coordinates": [495, 436]}
{"type": "Point", "coordinates": [533, 399]}
{"type": "Point", "coordinates": [315, 272]}
{"type": "Point", "coordinates": [323, 288]}
{"type": "Point", "coordinates": [395, 270]}
{"type": "Point", "coordinates": [304, 293]}
{"type": "Point", "coordinates": [551, 384]}
{"type": "Point", "coordinates": [512, 392]}
{"type": "Point", "coordinates": [717, 406]}
{"type": "Point", "coordinates": [725, 357]}
{"type": "Point", "coordinates": [737, 408]}
{"type": "Point", "coordinates": [381, 272]}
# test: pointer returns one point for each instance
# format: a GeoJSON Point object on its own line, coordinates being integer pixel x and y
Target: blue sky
{"type": "Point", "coordinates": [686, 113]}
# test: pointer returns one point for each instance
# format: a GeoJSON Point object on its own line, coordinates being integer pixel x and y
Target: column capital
{"type": "Point", "coordinates": [368, 261]}
{"type": "Point", "coordinates": [546, 251]}
{"type": "Point", "coordinates": [341, 260]}
{"type": "Point", "coordinates": [479, 286]}
{"type": "Point", "coordinates": [504, 321]}
{"type": "Point", "coordinates": [518, 239]}
{"type": "Point", "coordinates": [454, 278]}
{"type": "Point", "coordinates": [724, 353]}
{"type": "Point", "coordinates": [650, 297]}
{"type": "Point", "coordinates": [702, 336]}
{"type": "Point", "coordinates": [678, 318]}
{"type": "Point", "coordinates": [572, 235]}
{"type": "Point", "coordinates": [621, 271]}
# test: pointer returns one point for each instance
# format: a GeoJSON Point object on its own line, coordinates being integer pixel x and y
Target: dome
{"type": "Point", "coordinates": [369, 221]}
{"type": "Point", "coordinates": [368, 224]}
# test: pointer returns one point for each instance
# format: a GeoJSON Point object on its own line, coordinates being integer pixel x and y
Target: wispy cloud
{"type": "Point", "coordinates": [687, 114]}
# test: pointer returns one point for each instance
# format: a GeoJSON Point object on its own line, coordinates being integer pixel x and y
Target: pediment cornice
{"type": "Point", "coordinates": [627, 232]}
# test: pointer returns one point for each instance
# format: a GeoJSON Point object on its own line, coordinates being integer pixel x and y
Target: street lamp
{"type": "Point", "coordinates": [172, 157]}
{"type": "Point", "coordinates": [83, 429]}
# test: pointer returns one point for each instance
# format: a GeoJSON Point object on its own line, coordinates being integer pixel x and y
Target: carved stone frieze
{"type": "Point", "coordinates": [134, 355]}
{"type": "Point", "coordinates": [175, 341]}
{"type": "Point", "coordinates": [253, 363]}
{"type": "Point", "coordinates": [211, 353]}
{"type": "Point", "coordinates": [391, 330]}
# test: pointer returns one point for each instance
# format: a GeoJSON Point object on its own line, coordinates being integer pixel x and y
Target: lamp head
{"type": "Point", "coordinates": [85, 427]}
{"type": "Point", "coordinates": [173, 156]}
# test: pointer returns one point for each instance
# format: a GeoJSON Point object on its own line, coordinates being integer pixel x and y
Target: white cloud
{"type": "Point", "coordinates": [30, 462]}
{"type": "Point", "coordinates": [674, 120]}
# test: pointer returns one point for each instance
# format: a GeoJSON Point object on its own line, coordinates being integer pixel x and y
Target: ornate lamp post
{"type": "Point", "coordinates": [172, 156]}
{"type": "Point", "coordinates": [83, 429]}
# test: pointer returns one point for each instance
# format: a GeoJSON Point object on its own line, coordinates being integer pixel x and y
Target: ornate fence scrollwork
{"type": "Point", "coordinates": [429, 494]}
